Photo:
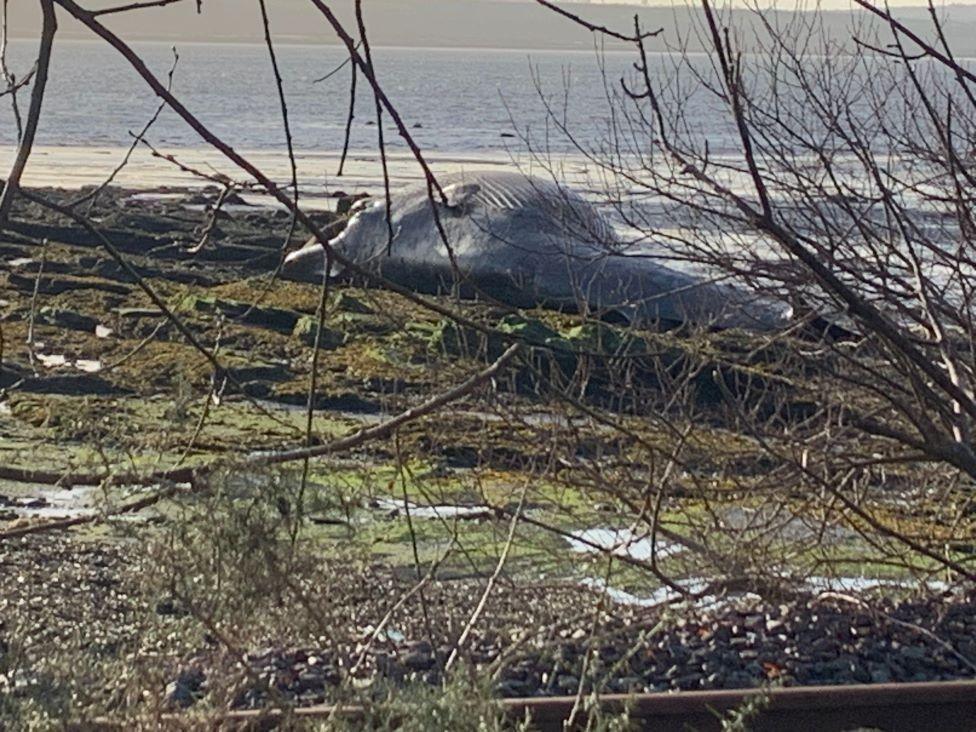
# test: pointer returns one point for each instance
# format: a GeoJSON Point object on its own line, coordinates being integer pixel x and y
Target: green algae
{"type": "Point", "coordinates": [381, 354]}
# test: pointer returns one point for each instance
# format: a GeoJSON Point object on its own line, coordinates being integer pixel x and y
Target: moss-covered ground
{"type": "Point", "coordinates": [595, 427]}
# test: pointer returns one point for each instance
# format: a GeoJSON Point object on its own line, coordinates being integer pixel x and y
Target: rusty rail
{"type": "Point", "coordinates": [948, 706]}
{"type": "Point", "coordinates": [937, 706]}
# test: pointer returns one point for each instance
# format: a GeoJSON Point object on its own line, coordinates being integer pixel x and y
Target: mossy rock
{"type": "Point", "coordinates": [423, 329]}
{"type": "Point", "coordinates": [73, 384]}
{"type": "Point", "coordinates": [69, 319]}
{"type": "Point", "coordinates": [457, 340]}
{"type": "Point", "coordinates": [261, 371]}
{"type": "Point", "coordinates": [353, 323]}
{"type": "Point", "coordinates": [57, 285]}
{"type": "Point", "coordinates": [600, 338]}
{"type": "Point", "coordinates": [530, 330]}
{"type": "Point", "coordinates": [137, 313]}
{"type": "Point", "coordinates": [346, 303]}
{"type": "Point", "coordinates": [549, 352]}
{"type": "Point", "coordinates": [277, 319]}
{"type": "Point", "coordinates": [306, 330]}
{"type": "Point", "coordinates": [449, 338]}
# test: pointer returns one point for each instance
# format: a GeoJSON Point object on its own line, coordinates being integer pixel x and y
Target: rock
{"type": "Point", "coordinates": [740, 680]}
{"type": "Point", "coordinates": [277, 319]}
{"type": "Point", "coordinates": [567, 684]}
{"type": "Point", "coordinates": [601, 338]}
{"type": "Point", "coordinates": [310, 681]}
{"type": "Point", "coordinates": [687, 682]}
{"type": "Point", "coordinates": [168, 606]}
{"type": "Point", "coordinates": [512, 688]}
{"type": "Point", "coordinates": [72, 384]}
{"type": "Point", "coordinates": [345, 204]}
{"type": "Point", "coordinates": [628, 685]}
{"type": "Point", "coordinates": [234, 199]}
{"type": "Point", "coordinates": [715, 680]}
{"type": "Point", "coordinates": [419, 660]}
{"type": "Point", "coordinates": [531, 330]}
{"type": "Point", "coordinates": [67, 319]}
{"type": "Point", "coordinates": [260, 373]}
{"type": "Point", "coordinates": [136, 313]}
{"type": "Point", "coordinates": [773, 626]}
{"type": "Point", "coordinates": [306, 330]}
{"type": "Point", "coordinates": [364, 324]}
{"type": "Point", "coordinates": [50, 285]}
{"type": "Point", "coordinates": [339, 402]}
{"type": "Point", "coordinates": [186, 689]}
{"type": "Point", "coordinates": [349, 304]}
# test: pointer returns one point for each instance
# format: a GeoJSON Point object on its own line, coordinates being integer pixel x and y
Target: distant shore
{"type": "Point", "coordinates": [476, 24]}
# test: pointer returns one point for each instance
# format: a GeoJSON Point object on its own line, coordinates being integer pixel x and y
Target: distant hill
{"type": "Point", "coordinates": [451, 23]}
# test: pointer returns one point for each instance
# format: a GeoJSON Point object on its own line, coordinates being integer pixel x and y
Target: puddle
{"type": "Point", "coordinates": [863, 584]}
{"type": "Point", "coordinates": [622, 543]}
{"type": "Point", "coordinates": [777, 522]}
{"type": "Point", "coordinates": [694, 585]}
{"type": "Point", "coordinates": [658, 597]}
{"type": "Point", "coordinates": [52, 503]}
{"type": "Point", "coordinates": [434, 512]}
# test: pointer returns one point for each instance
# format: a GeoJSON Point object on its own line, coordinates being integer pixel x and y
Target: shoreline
{"type": "Point", "coordinates": [77, 166]}
{"type": "Point", "coordinates": [74, 167]}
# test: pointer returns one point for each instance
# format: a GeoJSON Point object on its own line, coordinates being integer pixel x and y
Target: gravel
{"type": "Point", "coordinates": [532, 640]}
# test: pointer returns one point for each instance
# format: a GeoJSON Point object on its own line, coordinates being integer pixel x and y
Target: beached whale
{"type": "Point", "coordinates": [526, 242]}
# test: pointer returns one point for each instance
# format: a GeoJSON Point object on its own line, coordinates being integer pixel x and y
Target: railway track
{"type": "Point", "coordinates": [919, 707]}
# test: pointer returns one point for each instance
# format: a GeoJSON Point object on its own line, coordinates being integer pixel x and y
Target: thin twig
{"type": "Point", "coordinates": [12, 185]}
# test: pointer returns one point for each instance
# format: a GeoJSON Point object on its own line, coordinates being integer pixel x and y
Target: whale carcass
{"type": "Point", "coordinates": [526, 242]}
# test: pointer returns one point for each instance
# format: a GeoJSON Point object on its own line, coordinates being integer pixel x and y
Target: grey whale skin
{"type": "Point", "coordinates": [525, 242]}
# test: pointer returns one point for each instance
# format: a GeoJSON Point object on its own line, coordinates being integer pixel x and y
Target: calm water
{"type": "Point", "coordinates": [462, 100]}
{"type": "Point", "coordinates": [458, 104]}
{"type": "Point", "coordinates": [454, 101]}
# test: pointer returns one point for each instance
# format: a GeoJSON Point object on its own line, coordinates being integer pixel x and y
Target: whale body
{"type": "Point", "coordinates": [527, 242]}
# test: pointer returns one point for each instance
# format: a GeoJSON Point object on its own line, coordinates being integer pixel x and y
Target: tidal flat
{"type": "Point", "coordinates": [525, 530]}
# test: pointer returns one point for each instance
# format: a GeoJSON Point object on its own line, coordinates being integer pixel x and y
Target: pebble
{"type": "Point", "coordinates": [185, 690]}
{"type": "Point", "coordinates": [808, 641]}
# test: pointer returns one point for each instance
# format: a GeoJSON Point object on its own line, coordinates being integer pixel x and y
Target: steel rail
{"type": "Point", "coordinates": [939, 706]}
